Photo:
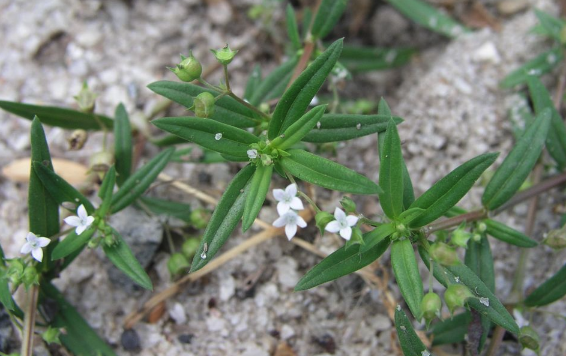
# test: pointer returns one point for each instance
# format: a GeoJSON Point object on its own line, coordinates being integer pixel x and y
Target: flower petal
{"type": "Point", "coordinates": [81, 212]}
{"type": "Point", "coordinates": [346, 233]}
{"type": "Point", "coordinates": [291, 190]}
{"type": "Point", "coordinates": [278, 194]}
{"type": "Point", "coordinates": [333, 226]}
{"type": "Point", "coordinates": [26, 248]}
{"type": "Point", "coordinates": [296, 204]}
{"type": "Point", "coordinates": [282, 207]}
{"type": "Point", "coordinates": [301, 222]}
{"type": "Point", "coordinates": [37, 253]}
{"type": "Point", "coordinates": [281, 221]}
{"type": "Point", "coordinates": [31, 237]}
{"type": "Point", "coordinates": [89, 220]}
{"type": "Point", "coordinates": [80, 229]}
{"type": "Point", "coordinates": [73, 221]}
{"type": "Point", "coordinates": [290, 230]}
{"type": "Point", "coordinates": [339, 214]}
{"type": "Point", "coordinates": [43, 241]}
{"type": "Point", "coordinates": [351, 220]}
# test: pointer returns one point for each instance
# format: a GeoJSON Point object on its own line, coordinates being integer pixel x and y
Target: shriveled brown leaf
{"type": "Point", "coordinates": [156, 313]}
{"type": "Point", "coordinates": [284, 350]}
{"type": "Point", "coordinates": [72, 172]}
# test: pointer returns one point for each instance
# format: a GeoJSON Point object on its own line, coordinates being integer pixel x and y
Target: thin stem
{"type": "Point", "coordinates": [29, 321]}
{"type": "Point", "coordinates": [455, 221]}
{"type": "Point", "coordinates": [169, 238]}
{"type": "Point", "coordinates": [227, 78]}
{"type": "Point", "coordinates": [307, 52]}
{"type": "Point", "coordinates": [249, 106]}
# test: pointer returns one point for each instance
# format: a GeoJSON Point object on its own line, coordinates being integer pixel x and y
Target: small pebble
{"type": "Point", "coordinates": [130, 340]}
{"type": "Point", "coordinates": [185, 338]}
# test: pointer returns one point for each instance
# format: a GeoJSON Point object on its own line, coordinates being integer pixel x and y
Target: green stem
{"type": "Point", "coordinates": [29, 321]}
{"type": "Point", "coordinates": [227, 78]}
{"type": "Point", "coordinates": [249, 106]}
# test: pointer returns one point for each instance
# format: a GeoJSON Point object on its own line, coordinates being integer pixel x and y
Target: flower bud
{"type": "Point", "coordinates": [77, 139]}
{"type": "Point", "coordinates": [109, 240]}
{"type": "Point", "coordinates": [177, 263]}
{"type": "Point", "coordinates": [460, 238]}
{"type": "Point", "coordinates": [444, 254]}
{"type": "Point", "coordinates": [190, 246]}
{"type": "Point", "coordinates": [456, 296]}
{"type": "Point", "coordinates": [556, 238]}
{"type": "Point", "coordinates": [51, 335]}
{"type": "Point", "coordinates": [266, 159]}
{"type": "Point", "coordinates": [100, 162]}
{"type": "Point", "coordinates": [322, 219]}
{"type": "Point", "coordinates": [356, 238]}
{"type": "Point", "coordinates": [189, 69]}
{"type": "Point", "coordinates": [16, 271]}
{"type": "Point", "coordinates": [30, 276]}
{"type": "Point", "coordinates": [203, 105]}
{"type": "Point", "coordinates": [93, 243]}
{"type": "Point", "coordinates": [348, 205]}
{"type": "Point", "coordinates": [199, 218]}
{"type": "Point", "coordinates": [86, 99]}
{"type": "Point", "coordinates": [430, 306]}
{"type": "Point", "coordinates": [529, 338]}
{"type": "Point", "coordinates": [482, 227]}
{"type": "Point", "coordinates": [224, 55]}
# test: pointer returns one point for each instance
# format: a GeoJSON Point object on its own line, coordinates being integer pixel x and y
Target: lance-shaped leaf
{"type": "Point", "coordinates": [326, 173]}
{"type": "Point", "coordinates": [407, 275]}
{"type": "Point", "coordinates": [226, 109]}
{"type": "Point", "coordinates": [232, 141]}
{"type": "Point", "coordinates": [549, 291]}
{"type": "Point", "coordinates": [72, 243]}
{"type": "Point", "coordinates": [253, 82]}
{"type": "Point", "coordinates": [376, 236]}
{"type": "Point", "coordinates": [106, 191]}
{"type": "Point", "coordinates": [174, 209]}
{"type": "Point", "coordinates": [256, 195]}
{"type": "Point", "coordinates": [224, 219]}
{"type": "Point", "coordinates": [485, 301]}
{"type": "Point", "coordinates": [59, 190]}
{"type": "Point", "coordinates": [391, 173]}
{"type": "Point", "coordinates": [340, 263]}
{"type": "Point", "coordinates": [451, 330]}
{"type": "Point", "coordinates": [410, 342]}
{"type": "Point", "coordinates": [273, 86]}
{"type": "Point", "coordinates": [79, 338]}
{"type": "Point", "coordinates": [448, 191]}
{"type": "Point", "coordinates": [60, 117]}
{"type": "Point", "coordinates": [552, 25]}
{"type": "Point", "coordinates": [365, 59]}
{"type": "Point", "coordinates": [5, 292]}
{"type": "Point", "coordinates": [123, 258]}
{"type": "Point", "coordinates": [429, 17]}
{"type": "Point", "coordinates": [409, 215]}
{"type": "Point", "coordinates": [299, 129]}
{"type": "Point", "coordinates": [327, 16]}
{"type": "Point", "coordinates": [122, 144]}
{"type": "Point", "coordinates": [297, 98]}
{"type": "Point", "coordinates": [518, 164]}
{"type": "Point", "coordinates": [138, 182]}
{"type": "Point", "coordinates": [292, 29]}
{"type": "Point", "coordinates": [556, 139]}
{"type": "Point", "coordinates": [541, 64]}
{"type": "Point", "coordinates": [342, 127]}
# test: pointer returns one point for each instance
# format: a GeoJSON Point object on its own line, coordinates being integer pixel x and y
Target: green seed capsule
{"type": "Point", "coordinates": [199, 218]}
{"type": "Point", "coordinates": [203, 105]}
{"type": "Point", "coordinates": [556, 238]}
{"type": "Point", "coordinates": [190, 247]}
{"type": "Point", "coordinates": [86, 99]}
{"type": "Point", "coordinates": [460, 238]}
{"type": "Point", "coordinates": [348, 205]}
{"type": "Point", "coordinates": [322, 219]}
{"type": "Point", "coordinates": [16, 271]}
{"type": "Point", "coordinates": [177, 263]}
{"type": "Point", "coordinates": [430, 306]}
{"type": "Point", "coordinates": [456, 296]}
{"type": "Point", "coordinates": [224, 55]}
{"type": "Point", "coordinates": [30, 276]}
{"type": "Point", "coordinates": [529, 338]}
{"type": "Point", "coordinates": [444, 254]}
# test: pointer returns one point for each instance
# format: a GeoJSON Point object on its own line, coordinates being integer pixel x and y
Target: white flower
{"type": "Point", "coordinates": [82, 221]}
{"type": "Point", "coordinates": [252, 153]}
{"type": "Point", "coordinates": [343, 224]}
{"type": "Point", "coordinates": [290, 220]}
{"type": "Point", "coordinates": [287, 199]}
{"type": "Point", "coordinates": [34, 245]}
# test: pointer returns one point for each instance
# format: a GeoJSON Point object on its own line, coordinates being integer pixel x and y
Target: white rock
{"type": "Point", "coordinates": [287, 272]}
{"type": "Point", "coordinates": [219, 13]}
{"type": "Point", "coordinates": [287, 332]}
{"type": "Point", "coordinates": [177, 313]}
{"type": "Point", "coordinates": [486, 53]}
{"type": "Point", "coordinates": [88, 38]}
{"type": "Point", "coordinates": [227, 288]}
{"type": "Point", "coordinates": [215, 323]}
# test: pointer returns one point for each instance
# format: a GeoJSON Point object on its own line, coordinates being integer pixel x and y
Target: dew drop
{"type": "Point", "coordinates": [457, 279]}
{"type": "Point", "coordinates": [425, 353]}
{"type": "Point", "coordinates": [432, 22]}
{"type": "Point", "coordinates": [403, 328]}
{"type": "Point", "coordinates": [282, 136]}
{"type": "Point", "coordinates": [551, 59]}
{"type": "Point", "coordinates": [318, 125]}
{"type": "Point", "coordinates": [203, 255]}
{"type": "Point", "coordinates": [358, 126]}
{"type": "Point", "coordinates": [77, 200]}
{"type": "Point", "coordinates": [218, 136]}
{"type": "Point", "coordinates": [484, 301]}
{"type": "Point", "coordinates": [398, 307]}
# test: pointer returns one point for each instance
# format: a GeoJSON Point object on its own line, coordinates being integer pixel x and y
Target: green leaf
{"type": "Point", "coordinates": [224, 219]}
{"type": "Point", "coordinates": [138, 182]}
{"type": "Point", "coordinates": [448, 191]}
{"type": "Point", "coordinates": [551, 24]}
{"type": "Point", "coordinates": [541, 64]}
{"type": "Point", "coordinates": [409, 215]}
{"type": "Point", "coordinates": [174, 209]}
{"type": "Point", "coordinates": [377, 235]}
{"type": "Point", "coordinates": [106, 191]}
{"type": "Point", "coordinates": [451, 330]}
{"type": "Point", "coordinates": [253, 82]}
{"type": "Point", "coordinates": [59, 190]}
{"type": "Point", "coordinates": [299, 129]}
{"type": "Point", "coordinates": [518, 164]}
{"type": "Point", "coordinates": [340, 263]}
{"type": "Point", "coordinates": [79, 338]}
{"type": "Point", "coordinates": [429, 17]}
{"type": "Point", "coordinates": [549, 291]}
{"type": "Point", "coordinates": [122, 144]}
{"type": "Point", "coordinates": [273, 86]}
{"type": "Point", "coordinates": [391, 173]}
{"type": "Point", "coordinates": [168, 140]}
{"type": "Point", "coordinates": [7, 300]}
{"type": "Point", "coordinates": [326, 173]}
{"type": "Point", "coordinates": [234, 141]}
{"type": "Point", "coordinates": [408, 192]}
{"type": "Point", "coordinates": [327, 15]}
{"type": "Point", "coordinates": [60, 117]}
{"type": "Point", "coordinates": [72, 243]}
{"type": "Point", "coordinates": [123, 258]}
{"type": "Point", "coordinates": [365, 59]}
{"type": "Point", "coordinates": [342, 127]}
{"type": "Point", "coordinates": [226, 110]}
{"type": "Point", "coordinates": [297, 98]}
{"type": "Point", "coordinates": [407, 275]}
{"type": "Point", "coordinates": [556, 139]}
{"type": "Point", "coordinates": [410, 342]}
{"type": "Point", "coordinates": [256, 195]}
{"type": "Point", "coordinates": [292, 29]}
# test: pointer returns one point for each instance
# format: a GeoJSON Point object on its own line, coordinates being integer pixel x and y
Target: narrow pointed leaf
{"type": "Point", "coordinates": [549, 291]}
{"type": "Point", "coordinates": [299, 129]}
{"type": "Point", "coordinates": [407, 275]}
{"type": "Point", "coordinates": [451, 330]}
{"type": "Point", "coordinates": [377, 235]}
{"type": "Point", "coordinates": [410, 342]}
{"type": "Point", "coordinates": [256, 195]}
{"type": "Point", "coordinates": [391, 173]}
{"type": "Point", "coordinates": [174, 209]}
{"type": "Point", "coordinates": [59, 190]}
{"type": "Point", "coordinates": [409, 215]}
{"type": "Point", "coordinates": [326, 173]}
{"type": "Point", "coordinates": [327, 15]}
{"type": "Point", "coordinates": [292, 28]}
{"type": "Point", "coordinates": [226, 110]}
{"type": "Point", "coordinates": [72, 243]}
{"type": "Point", "coordinates": [551, 24]}
{"type": "Point", "coordinates": [253, 82]}
{"type": "Point", "coordinates": [273, 86]}
{"type": "Point", "coordinates": [224, 219]}
{"type": "Point", "coordinates": [60, 117]}
{"type": "Point", "coordinates": [366, 59]}
{"type": "Point", "coordinates": [340, 263]}
{"type": "Point", "coordinates": [7, 300]}
{"type": "Point", "coordinates": [518, 164]}
{"type": "Point", "coordinates": [541, 64]}
{"type": "Point", "coordinates": [342, 127]}
{"type": "Point", "coordinates": [122, 144]}
{"type": "Point", "coordinates": [556, 139]}
{"type": "Point", "coordinates": [448, 191]}
{"type": "Point", "coordinates": [106, 191]}
{"type": "Point", "coordinates": [138, 182]}
{"type": "Point", "coordinates": [408, 191]}
{"type": "Point", "coordinates": [123, 258]}
{"type": "Point", "coordinates": [234, 141]}
{"type": "Point", "coordinates": [307, 21]}
{"type": "Point", "coordinates": [297, 98]}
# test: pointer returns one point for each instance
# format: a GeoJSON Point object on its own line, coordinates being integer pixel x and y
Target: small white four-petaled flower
{"type": "Point", "coordinates": [287, 199]}
{"type": "Point", "coordinates": [82, 221]}
{"type": "Point", "coordinates": [252, 153]}
{"type": "Point", "coordinates": [342, 225]}
{"type": "Point", "coordinates": [34, 244]}
{"type": "Point", "coordinates": [290, 220]}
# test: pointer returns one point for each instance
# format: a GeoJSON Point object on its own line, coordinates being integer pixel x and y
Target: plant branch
{"type": "Point", "coordinates": [29, 321]}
